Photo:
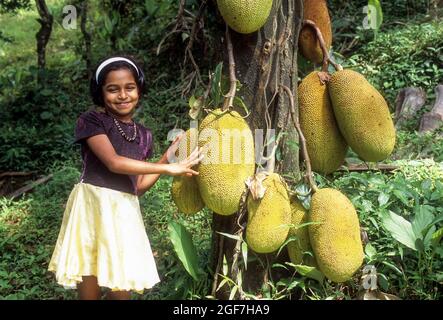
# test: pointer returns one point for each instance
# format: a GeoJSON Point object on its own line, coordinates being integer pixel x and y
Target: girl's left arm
{"type": "Point", "coordinates": [146, 181]}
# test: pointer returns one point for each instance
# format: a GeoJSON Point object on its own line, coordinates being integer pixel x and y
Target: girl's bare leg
{"type": "Point", "coordinates": [89, 289]}
{"type": "Point", "coordinates": [118, 295]}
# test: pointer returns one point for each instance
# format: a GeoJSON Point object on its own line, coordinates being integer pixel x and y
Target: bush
{"type": "Point", "coordinates": [406, 56]}
{"type": "Point", "coordinates": [413, 193]}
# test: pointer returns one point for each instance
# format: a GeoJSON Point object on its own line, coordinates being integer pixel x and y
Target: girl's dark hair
{"type": "Point", "coordinates": [95, 86]}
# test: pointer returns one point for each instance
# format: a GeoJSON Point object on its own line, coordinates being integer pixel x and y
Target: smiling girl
{"type": "Point", "coordinates": [102, 240]}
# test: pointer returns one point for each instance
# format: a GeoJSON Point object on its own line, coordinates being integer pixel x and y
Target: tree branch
{"type": "Point", "coordinates": [321, 40]}
{"type": "Point", "coordinates": [309, 174]}
{"type": "Point", "coordinates": [229, 98]}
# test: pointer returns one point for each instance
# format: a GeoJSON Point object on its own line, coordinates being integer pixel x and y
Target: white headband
{"type": "Point", "coordinates": [111, 60]}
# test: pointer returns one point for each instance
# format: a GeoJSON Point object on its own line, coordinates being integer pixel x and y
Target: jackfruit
{"type": "Point", "coordinates": [297, 248]}
{"type": "Point", "coordinates": [269, 217]}
{"type": "Point", "coordinates": [228, 160]}
{"type": "Point", "coordinates": [335, 234]}
{"type": "Point", "coordinates": [362, 115]}
{"type": "Point", "coordinates": [325, 144]}
{"type": "Point", "coordinates": [245, 16]}
{"type": "Point", "coordinates": [184, 191]}
{"type": "Point", "coordinates": [316, 11]}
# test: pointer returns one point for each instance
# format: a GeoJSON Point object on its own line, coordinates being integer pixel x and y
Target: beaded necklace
{"type": "Point", "coordinates": [123, 133]}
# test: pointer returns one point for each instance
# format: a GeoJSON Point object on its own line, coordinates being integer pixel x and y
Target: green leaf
{"type": "Point", "coordinates": [216, 94]}
{"type": "Point", "coordinates": [437, 220]}
{"type": "Point", "coordinates": [108, 24]}
{"type": "Point", "coordinates": [436, 237]}
{"type": "Point", "coordinates": [240, 103]}
{"type": "Point", "coordinates": [195, 105]}
{"type": "Point", "coordinates": [383, 281]}
{"type": "Point", "coordinates": [310, 272]}
{"type": "Point", "coordinates": [225, 266]}
{"type": "Point", "coordinates": [289, 239]}
{"type": "Point", "coordinates": [231, 236]}
{"type": "Point", "coordinates": [383, 198]}
{"type": "Point", "coordinates": [244, 251]}
{"type": "Point", "coordinates": [402, 196]}
{"type": "Point", "coordinates": [185, 36]}
{"type": "Point", "coordinates": [423, 218]}
{"type": "Point", "coordinates": [374, 222]}
{"type": "Point", "coordinates": [376, 18]}
{"type": "Point", "coordinates": [233, 292]}
{"type": "Point", "coordinates": [370, 251]}
{"type": "Point", "coordinates": [184, 247]}
{"type": "Point", "coordinates": [46, 92]}
{"type": "Point", "coordinates": [45, 115]}
{"type": "Point", "coordinates": [391, 266]}
{"type": "Point", "coordinates": [400, 228]}
{"type": "Point", "coordinates": [225, 280]}
{"type": "Point", "coordinates": [431, 227]}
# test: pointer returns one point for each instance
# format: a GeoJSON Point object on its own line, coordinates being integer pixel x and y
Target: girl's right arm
{"type": "Point", "coordinates": [103, 149]}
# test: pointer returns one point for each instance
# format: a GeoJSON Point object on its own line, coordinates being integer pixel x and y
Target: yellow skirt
{"type": "Point", "coordinates": [103, 235]}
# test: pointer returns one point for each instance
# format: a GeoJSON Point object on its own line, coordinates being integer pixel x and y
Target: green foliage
{"type": "Point", "coordinates": [415, 52]}
{"type": "Point", "coordinates": [397, 211]}
{"type": "Point", "coordinates": [184, 247]}
{"type": "Point", "coordinates": [28, 231]}
{"type": "Point", "coordinates": [159, 212]}
{"type": "Point", "coordinates": [414, 145]}
{"type": "Point", "coordinates": [38, 121]}
{"type": "Point", "coordinates": [348, 18]}
{"type": "Point", "coordinates": [12, 6]}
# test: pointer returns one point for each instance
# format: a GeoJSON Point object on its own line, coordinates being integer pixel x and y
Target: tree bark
{"type": "Point", "coordinates": [43, 35]}
{"type": "Point", "coordinates": [87, 55]}
{"type": "Point", "coordinates": [265, 60]}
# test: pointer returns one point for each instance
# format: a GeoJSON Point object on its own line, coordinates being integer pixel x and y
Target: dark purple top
{"type": "Point", "coordinates": [92, 123]}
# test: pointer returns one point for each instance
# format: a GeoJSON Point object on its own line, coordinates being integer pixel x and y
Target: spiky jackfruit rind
{"type": "Point", "coordinates": [269, 217]}
{"type": "Point", "coordinates": [326, 145]}
{"type": "Point", "coordinates": [316, 11]}
{"type": "Point", "coordinates": [184, 191]}
{"type": "Point", "coordinates": [335, 235]}
{"type": "Point", "coordinates": [297, 248]}
{"type": "Point", "coordinates": [221, 184]}
{"type": "Point", "coordinates": [362, 115]}
{"type": "Point", "coordinates": [245, 16]}
{"type": "Point", "coordinates": [186, 195]}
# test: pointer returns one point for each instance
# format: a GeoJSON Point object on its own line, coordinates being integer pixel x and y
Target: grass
{"type": "Point", "coordinates": [22, 49]}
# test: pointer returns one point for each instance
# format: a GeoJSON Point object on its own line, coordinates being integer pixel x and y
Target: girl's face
{"type": "Point", "coordinates": [120, 93]}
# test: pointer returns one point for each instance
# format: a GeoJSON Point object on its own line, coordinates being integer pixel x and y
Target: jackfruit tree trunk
{"type": "Point", "coordinates": [265, 61]}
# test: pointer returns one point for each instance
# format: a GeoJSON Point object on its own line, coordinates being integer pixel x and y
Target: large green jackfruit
{"type": "Point", "coordinates": [228, 161]}
{"type": "Point", "coordinates": [245, 16]}
{"type": "Point", "coordinates": [269, 217]}
{"type": "Point", "coordinates": [336, 238]}
{"type": "Point", "coordinates": [297, 248]}
{"type": "Point", "coordinates": [325, 144]}
{"type": "Point", "coordinates": [362, 115]}
{"type": "Point", "coordinates": [316, 11]}
{"type": "Point", "coordinates": [184, 191]}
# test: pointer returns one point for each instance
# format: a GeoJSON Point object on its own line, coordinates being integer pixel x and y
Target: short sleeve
{"type": "Point", "coordinates": [149, 145]}
{"type": "Point", "coordinates": [88, 124]}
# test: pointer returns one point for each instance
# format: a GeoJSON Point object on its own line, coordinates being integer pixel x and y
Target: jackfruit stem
{"type": "Point", "coordinates": [229, 98]}
{"type": "Point", "coordinates": [309, 174]}
{"type": "Point", "coordinates": [326, 57]}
